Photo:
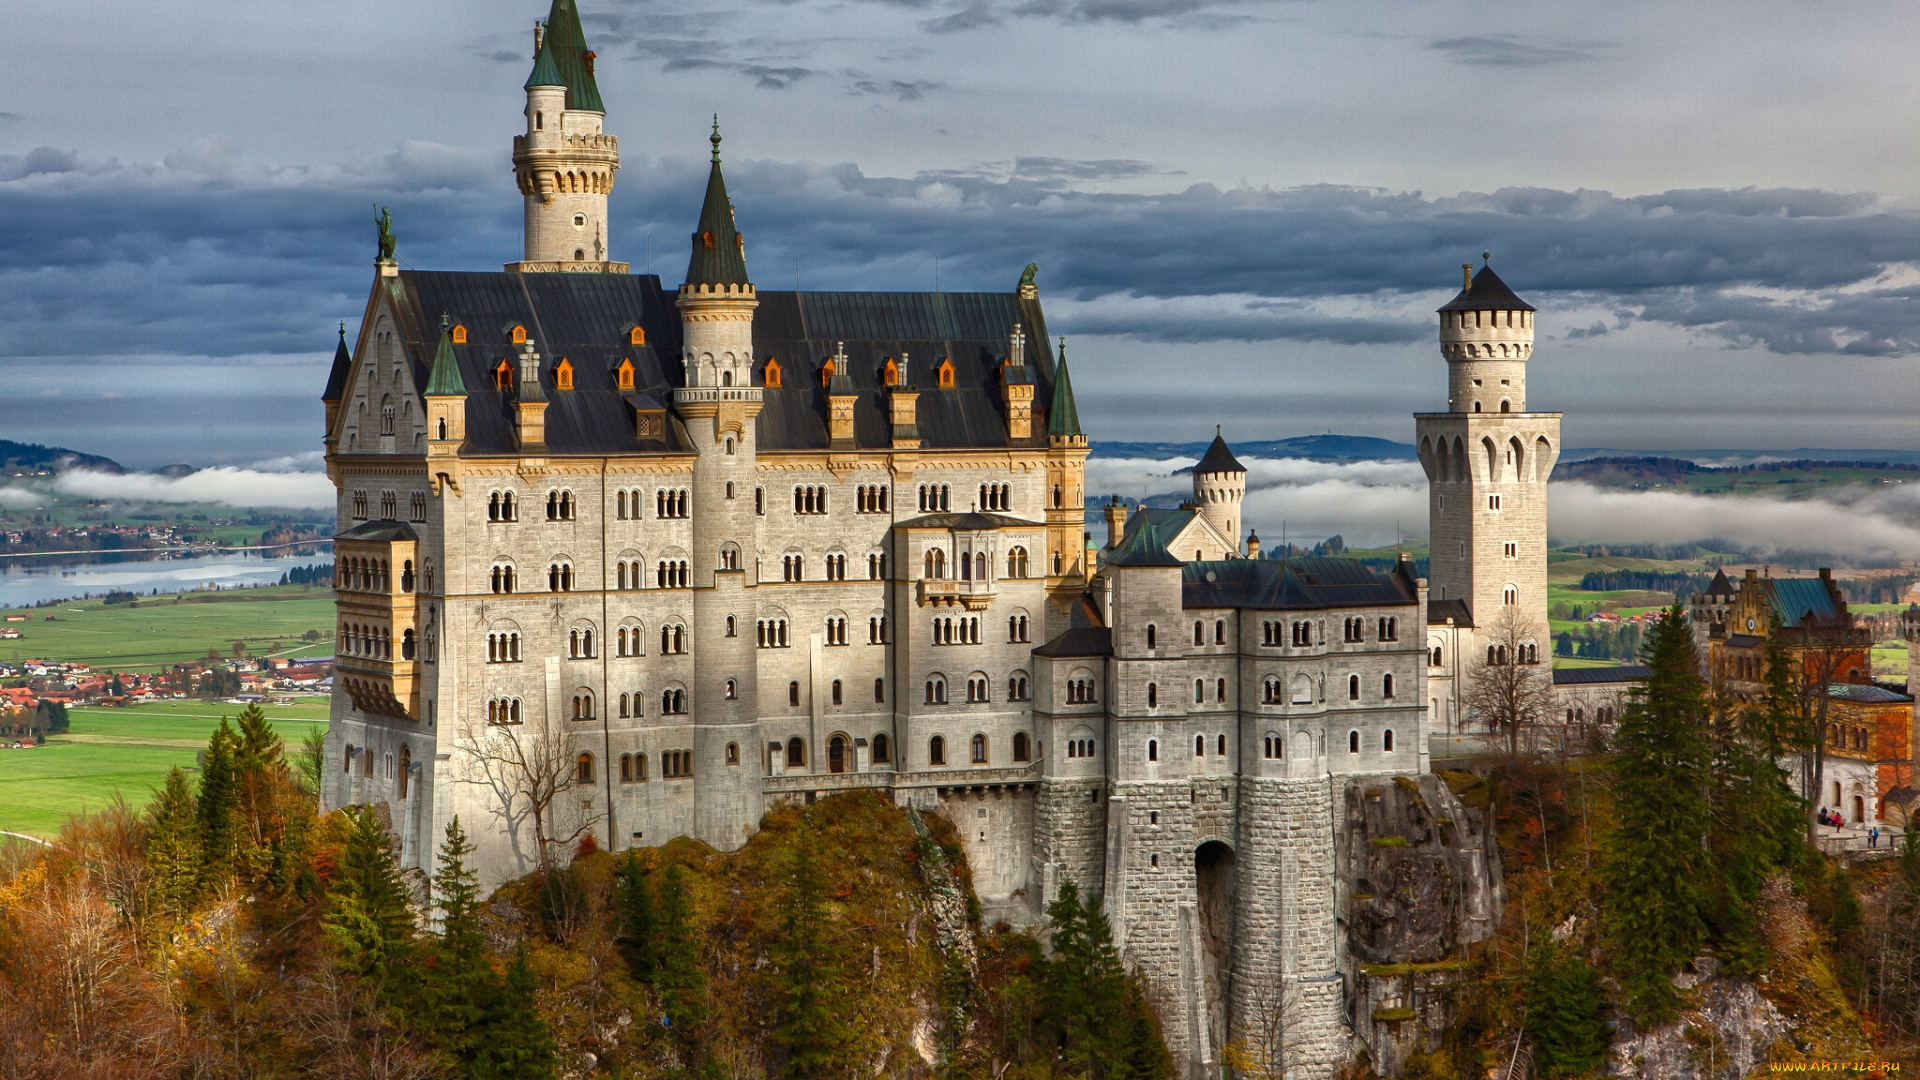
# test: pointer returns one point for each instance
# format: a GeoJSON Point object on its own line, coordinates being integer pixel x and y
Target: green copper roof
{"type": "Point", "coordinates": [719, 255]}
{"type": "Point", "coordinates": [445, 379]}
{"type": "Point", "coordinates": [1063, 419]}
{"type": "Point", "coordinates": [564, 52]}
{"type": "Point", "coordinates": [1143, 547]}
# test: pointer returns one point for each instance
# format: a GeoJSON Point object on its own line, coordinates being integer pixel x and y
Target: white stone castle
{"type": "Point", "coordinates": [634, 564]}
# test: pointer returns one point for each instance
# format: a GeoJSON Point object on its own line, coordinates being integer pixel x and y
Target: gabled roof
{"type": "Point", "coordinates": [719, 255]}
{"type": "Point", "coordinates": [1486, 292]}
{"type": "Point", "coordinates": [1079, 641]}
{"type": "Point", "coordinates": [445, 379]}
{"type": "Point", "coordinates": [1063, 419]}
{"type": "Point", "coordinates": [1794, 599]}
{"type": "Point", "coordinates": [969, 522]}
{"type": "Point", "coordinates": [342, 363]}
{"type": "Point", "coordinates": [565, 47]}
{"type": "Point", "coordinates": [587, 318]}
{"type": "Point", "coordinates": [379, 530]}
{"type": "Point", "coordinates": [1302, 584]}
{"type": "Point", "coordinates": [1864, 694]}
{"type": "Point", "coordinates": [1219, 458]}
{"type": "Point", "coordinates": [1439, 611]}
{"type": "Point", "coordinates": [1142, 547]}
{"type": "Point", "coordinates": [1590, 676]}
{"type": "Point", "coordinates": [1721, 586]}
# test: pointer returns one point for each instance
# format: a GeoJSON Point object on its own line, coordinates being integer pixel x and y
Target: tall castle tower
{"type": "Point", "coordinates": [1487, 459]}
{"type": "Point", "coordinates": [1219, 487]}
{"type": "Point", "coordinates": [719, 404]}
{"type": "Point", "coordinates": [564, 163]}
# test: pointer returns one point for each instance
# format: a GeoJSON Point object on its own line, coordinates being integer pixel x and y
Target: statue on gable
{"type": "Point", "coordinates": [385, 224]}
{"type": "Point", "coordinates": [1028, 290]}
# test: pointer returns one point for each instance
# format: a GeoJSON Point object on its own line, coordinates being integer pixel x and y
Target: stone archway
{"type": "Point", "coordinates": [1214, 879]}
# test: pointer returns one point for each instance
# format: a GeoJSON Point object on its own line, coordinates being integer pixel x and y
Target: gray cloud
{"type": "Point", "coordinates": [899, 89]}
{"type": "Point", "coordinates": [1502, 50]}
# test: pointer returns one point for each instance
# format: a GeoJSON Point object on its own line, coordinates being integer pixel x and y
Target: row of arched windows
{"type": "Point", "coordinates": [371, 642]}
{"type": "Point", "coordinates": [810, 499]}
{"type": "Point", "coordinates": [671, 503]}
{"type": "Point", "coordinates": [560, 506]}
{"type": "Point", "coordinates": [934, 498]}
{"type": "Point", "coordinates": [949, 630]}
{"type": "Point", "coordinates": [503, 648]}
{"type": "Point", "coordinates": [1497, 654]}
{"type": "Point", "coordinates": [873, 498]}
{"type": "Point", "coordinates": [996, 496]}
{"type": "Point", "coordinates": [671, 574]}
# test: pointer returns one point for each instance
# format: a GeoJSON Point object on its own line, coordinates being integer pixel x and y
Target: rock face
{"type": "Point", "coordinates": [1724, 1037]}
{"type": "Point", "coordinates": [1419, 880]}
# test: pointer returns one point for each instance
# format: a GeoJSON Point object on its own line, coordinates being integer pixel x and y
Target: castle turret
{"type": "Point", "coordinates": [719, 404]}
{"type": "Point", "coordinates": [1487, 459]}
{"type": "Point", "coordinates": [564, 162]}
{"type": "Point", "coordinates": [1219, 487]}
{"type": "Point", "coordinates": [446, 408]}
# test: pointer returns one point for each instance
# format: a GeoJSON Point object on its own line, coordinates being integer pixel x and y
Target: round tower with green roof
{"type": "Point", "coordinates": [564, 162]}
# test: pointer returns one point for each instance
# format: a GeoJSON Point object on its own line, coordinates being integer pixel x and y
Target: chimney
{"type": "Point", "coordinates": [1116, 522]}
{"type": "Point", "coordinates": [530, 409]}
{"type": "Point", "coordinates": [1466, 277]}
{"type": "Point", "coordinates": [903, 409]}
{"type": "Point", "coordinates": [1253, 544]}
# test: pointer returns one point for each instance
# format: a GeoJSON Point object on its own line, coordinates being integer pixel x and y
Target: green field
{"type": "Point", "coordinates": [126, 750]}
{"type": "Point", "coordinates": [166, 630]}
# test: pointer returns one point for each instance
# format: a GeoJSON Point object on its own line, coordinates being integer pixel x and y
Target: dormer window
{"type": "Point", "coordinates": [517, 335]}
{"type": "Point", "coordinates": [890, 374]}
{"type": "Point", "coordinates": [503, 376]}
{"type": "Point", "coordinates": [740, 242]}
{"type": "Point", "coordinates": [624, 375]}
{"type": "Point", "coordinates": [826, 371]}
{"type": "Point", "coordinates": [946, 373]}
{"type": "Point", "coordinates": [637, 336]}
{"type": "Point", "coordinates": [563, 375]}
{"type": "Point", "coordinates": [770, 376]}
{"type": "Point", "coordinates": [706, 239]}
{"type": "Point", "coordinates": [459, 334]}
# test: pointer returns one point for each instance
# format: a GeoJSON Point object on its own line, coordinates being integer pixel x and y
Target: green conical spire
{"type": "Point", "coordinates": [1063, 419]}
{"type": "Point", "coordinates": [719, 254]}
{"type": "Point", "coordinates": [564, 53]}
{"type": "Point", "coordinates": [445, 379]}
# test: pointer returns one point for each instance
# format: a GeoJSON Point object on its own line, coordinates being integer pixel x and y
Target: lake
{"type": "Point", "coordinates": [28, 581]}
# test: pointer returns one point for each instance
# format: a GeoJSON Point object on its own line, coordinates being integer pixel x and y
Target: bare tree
{"type": "Point", "coordinates": [1508, 688]}
{"type": "Point", "coordinates": [529, 767]}
{"type": "Point", "coordinates": [1273, 1037]}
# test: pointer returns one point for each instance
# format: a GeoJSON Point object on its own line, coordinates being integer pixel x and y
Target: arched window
{"type": "Point", "coordinates": [1153, 750]}
{"type": "Point", "coordinates": [1153, 695]}
{"type": "Point", "coordinates": [1199, 634]}
{"type": "Point", "coordinates": [1199, 746]}
{"type": "Point", "coordinates": [1020, 753]}
{"type": "Point", "coordinates": [1353, 688]}
{"type": "Point", "coordinates": [979, 749]}
{"type": "Point", "coordinates": [1150, 635]}
{"type": "Point", "coordinates": [583, 769]}
{"type": "Point", "coordinates": [1386, 686]}
{"type": "Point", "coordinates": [836, 691]}
{"type": "Point", "coordinates": [796, 752]}
{"type": "Point", "coordinates": [793, 694]}
{"type": "Point", "coordinates": [882, 748]}
{"type": "Point", "coordinates": [1220, 632]}
{"type": "Point", "coordinates": [1199, 691]}
{"type": "Point", "coordinates": [1386, 741]}
{"type": "Point", "coordinates": [1353, 742]}
{"type": "Point", "coordinates": [1436, 656]}
{"type": "Point", "coordinates": [937, 751]}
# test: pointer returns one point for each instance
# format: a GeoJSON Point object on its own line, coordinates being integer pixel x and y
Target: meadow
{"type": "Point", "coordinates": [125, 751]}
{"type": "Point", "coordinates": [157, 632]}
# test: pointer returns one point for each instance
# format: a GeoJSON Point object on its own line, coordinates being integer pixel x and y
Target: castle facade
{"type": "Point", "coordinates": [637, 564]}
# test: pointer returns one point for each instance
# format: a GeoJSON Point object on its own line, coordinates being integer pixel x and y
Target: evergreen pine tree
{"type": "Point", "coordinates": [1656, 866]}
{"type": "Point", "coordinates": [366, 917]}
{"type": "Point", "coordinates": [1140, 1052]}
{"type": "Point", "coordinates": [257, 746]}
{"type": "Point", "coordinates": [517, 1044]}
{"type": "Point", "coordinates": [1566, 1013]}
{"type": "Point", "coordinates": [173, 847]}
{"type": "Point", "coordinates": [458, 986]}
{"type": "Point", "coordinates": [633, 906]}
{"type": "Point", "coordinates": [215, 805]}
{"type": "Point", "coordinates": [811, 1035]}
{"type": "Point", "coordinates": [1086, 986]}
{"type": "Point", "coordinates": [681, 972]}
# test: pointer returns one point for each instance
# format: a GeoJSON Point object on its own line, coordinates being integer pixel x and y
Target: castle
{"type": "Point", "coordinates": [637, 564]}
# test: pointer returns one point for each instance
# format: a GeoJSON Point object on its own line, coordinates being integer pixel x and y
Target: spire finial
{"type": "Point", "coordinates": [1486, 257]}
{"type": "Point", "coordinates": [444, 321]}
{"type": "Point", "coordinates": [343, 329]}
{"type": "Point", "coordinates": [1217, 432]}
{"type": "Point", "coordinates": [1063, 347]}
{"type": "Point", "coordinates": [715, 139]}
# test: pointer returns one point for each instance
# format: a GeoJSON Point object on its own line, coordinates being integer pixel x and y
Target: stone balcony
{"type": "Point", "coordinates": [381, 687]}
{"type": "Point", "coordinates": [698, 395]}
{"type": "Point", "coordinates": [948, 592]}
{"type": "Point", "coordinates": [959, 776]}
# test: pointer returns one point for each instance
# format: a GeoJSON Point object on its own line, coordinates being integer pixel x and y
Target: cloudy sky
{"type": "Point", "coordinates": [1244, 212]}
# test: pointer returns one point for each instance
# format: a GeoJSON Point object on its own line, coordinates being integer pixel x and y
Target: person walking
{"type": "Point", "coordinates": [1873, 837]}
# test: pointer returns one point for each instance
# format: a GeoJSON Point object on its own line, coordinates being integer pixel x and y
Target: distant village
{"type": "Point", "coordinates": [35, 694]}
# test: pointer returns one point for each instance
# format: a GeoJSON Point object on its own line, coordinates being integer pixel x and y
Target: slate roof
{"type": "Point", "coordinates": [1745, 641]}
{"type": "Point", "coordinates": [719, 252]}
{"type": "Point", "coordinates": [564, 47]}
{"type": "Point", "coordinates": [1590, 676]}
{"type": "Point", "coordinates": [1487, 292]}
{"type": "Point", "coordinates": [1301, 584]}
{"type": "Point", "coordinates": [1219, 459]}
{"type": "Point", "coordinates": [444, 380]}
{"type": "Point", "coordinates": [1063, 419]}
{"type": "Point", "coordinates": [1079, 641]}
{"type": "Point", "coordinates": [969, 522]}
{"type": "Point", "coordinates": [1142, 547]}
{"type": "Point", "coordinates": [1721, 586]}
{"type": "Point", "coordinates": [379, 530]}
{"type": "Point", "coordinates": [342, 363]}
{"type": "Point", "coordinates": [586, 318]}
{"type": "Point", "coordinates": [1864, 694]}
{"type": "Point", "coordinates": [1439, 611]}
